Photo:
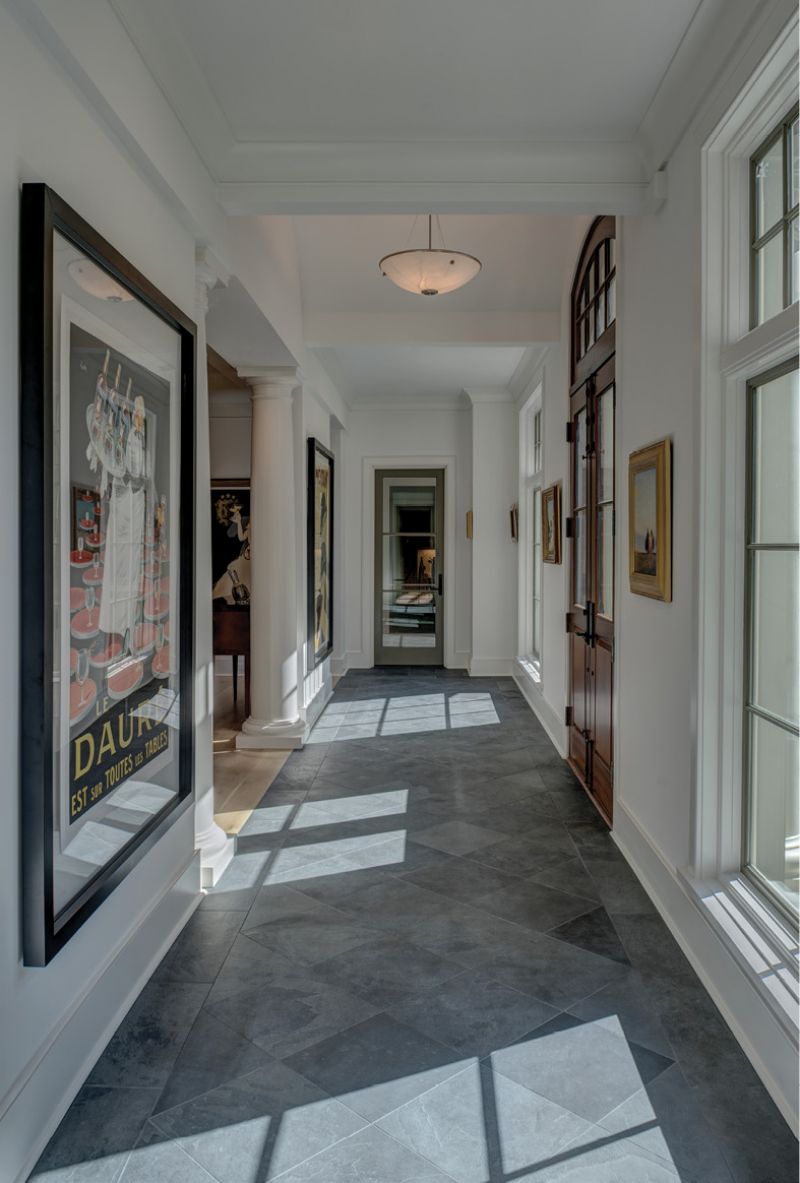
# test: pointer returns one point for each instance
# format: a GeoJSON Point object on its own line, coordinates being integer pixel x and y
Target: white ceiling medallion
{"type": "Point", "coordinates": [430, 271]}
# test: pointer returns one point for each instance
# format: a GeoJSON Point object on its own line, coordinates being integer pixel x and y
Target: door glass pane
{"type": "Point", "coordinates": [601, 263]}
{"type": "Point", "coordinates": [605, 445]}
{"type": "Point", "coordinates": [408, 571]}
{"type": "Point", "coordinates": [774, 826]}
{"type": "Point", "coordinates": [580, 462]}
{"type": "Point", "coordinates": [794, 260]}
{"type": "Point", "coordinates": [775, 614]}
{"type": "Point", "coordinates": [591, 276]}
{"type": "Point", "coordinates": [612, 300]}
{"type": "Point", "coordinates": [769, 187]}
{"type": "Point", "coordinates": [601, 313]}
{"type": "Point", "coordinates": [769, 278]}
{"type": "Point", "coordinates": [605, 560]}
{"type": "Point", "coordinates": [776, 460]}
{"type": "Point", "coordinates": [579, 551]}
{"type": "Point", "coordinates": [794, 165]}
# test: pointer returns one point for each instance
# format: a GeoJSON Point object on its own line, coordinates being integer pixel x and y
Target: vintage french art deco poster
{"type": "Point", "coordinates": [106, 537]}
{"type": "Point", "coordinates": [230, 543]}
{"type": "Point", "coordinates": [320, 553]}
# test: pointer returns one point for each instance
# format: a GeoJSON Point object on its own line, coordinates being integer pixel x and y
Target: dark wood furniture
{"type": "Point", "coordinates": [232, 639]}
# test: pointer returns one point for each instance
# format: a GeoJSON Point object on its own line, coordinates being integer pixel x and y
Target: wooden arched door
{"type": "Point", "coordinates": [590, 525]}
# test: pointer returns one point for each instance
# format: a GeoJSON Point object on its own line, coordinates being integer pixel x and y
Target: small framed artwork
{"type": "Point", "coordinates": [107, 569]}
{"type": "Point", "coordinates": [551, 524]}
{"type": "Point", "coordinates": [230, 543]}
{"type": "Point", "coordinates": [513, 514]}
{"type": "Point", "coordinates": [320, 552]}
{"type": "Point", "coordinates": [469, 524]}
{"type": "Point", "coordinates": [650, 521]}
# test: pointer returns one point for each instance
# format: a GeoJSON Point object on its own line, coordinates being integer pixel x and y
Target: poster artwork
{"type": "Point", "coordinates": [119, 582]}
{"type": "Point", "coordinates": [230, 544]}
{"type": "Point", "coordinates": [322, 548]}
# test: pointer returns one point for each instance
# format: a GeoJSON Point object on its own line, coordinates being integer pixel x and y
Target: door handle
{"type": "Point", "coordinates": [440, 587]}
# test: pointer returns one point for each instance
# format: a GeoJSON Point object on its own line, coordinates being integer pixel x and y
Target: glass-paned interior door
{"type": "Point", "coordinates": [409, 573]}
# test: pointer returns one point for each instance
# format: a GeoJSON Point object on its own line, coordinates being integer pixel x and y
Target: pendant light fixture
{"type": "Point", "coordinates": [430, 271]}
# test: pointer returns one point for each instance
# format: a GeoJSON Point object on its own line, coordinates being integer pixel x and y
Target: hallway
{"type": "Point", "coordinates": [427, 962]}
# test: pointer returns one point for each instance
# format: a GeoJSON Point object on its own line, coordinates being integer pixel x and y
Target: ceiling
{"type": "Point", "coordinates": [401, 376]}
{"type": "Point", "coordinates": [314, 71]}
{"type": "Point", "coordinates": [523, 259]}
{"type": "Point", "coordinates": [512, 119]}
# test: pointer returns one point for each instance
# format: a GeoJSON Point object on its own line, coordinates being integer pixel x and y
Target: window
{"type": "Point", "coordinates": [530, 531]}
{"type": "Point", "coordinates": [775, 241]}
{"type": "Point", "coordinates": [596, 301]}
{"type": "Point", "coordinates": [772, 668]}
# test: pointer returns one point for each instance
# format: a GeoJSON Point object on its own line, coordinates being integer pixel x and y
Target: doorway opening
{"type": "Point", "coordinates": [409, 567]}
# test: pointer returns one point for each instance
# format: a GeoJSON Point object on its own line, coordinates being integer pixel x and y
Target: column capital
{"type": "Point", "coordinates": [209, 273]}
{"type": "Point", "coordinates": [270, 382]}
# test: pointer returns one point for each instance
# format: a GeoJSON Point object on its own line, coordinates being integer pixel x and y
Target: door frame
{"type": "Point", "coordinates": [423, 656]}
{"type": "Point", "coordinates": [370, 465]}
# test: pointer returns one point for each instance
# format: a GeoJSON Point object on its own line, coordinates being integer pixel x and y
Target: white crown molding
{"type": "Point", "coordinates": [495, 395]}
{"type": "Point", "coordinates": [723, 37]}
{"type": "Point", "coordinates": [528, 373]}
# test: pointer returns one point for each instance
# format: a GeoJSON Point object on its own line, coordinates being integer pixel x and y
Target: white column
{"type": "Point", "coordinates": [275, 720]}
{"type": "Point", "coordinates": [215, 847]}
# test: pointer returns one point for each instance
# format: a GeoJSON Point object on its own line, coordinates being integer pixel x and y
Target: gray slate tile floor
{"type": "Point", "coordinates": [428, 963]}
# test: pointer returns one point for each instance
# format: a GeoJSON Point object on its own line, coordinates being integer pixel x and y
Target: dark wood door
{"type": "Point", "coordinates": [591, 525]}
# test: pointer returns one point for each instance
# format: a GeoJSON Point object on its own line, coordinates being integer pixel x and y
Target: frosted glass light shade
{"type": "Point", "coordinates": [97, 282]}
{"type": "Point", "coordinates": [429, 272]}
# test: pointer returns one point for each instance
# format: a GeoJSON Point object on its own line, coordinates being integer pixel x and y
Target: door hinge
{"type": "Point", "coordinates": [568, 716]}
{"type": "Point", "coordinates": [568, 623]}
{"type": "Point", "coordinates": [569, 529]}
{"type": "Point", "coordinates": [570, 432]}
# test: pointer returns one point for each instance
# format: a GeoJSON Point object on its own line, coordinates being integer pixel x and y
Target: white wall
{"type": "Point", "coordinates": [424, 437]}
{"type": "Point", "coordinates": [495, 433]}
{"type": "Point", "coordinates": [56, 1019]}
{"type": "Point", "coordinates": [231, 420]}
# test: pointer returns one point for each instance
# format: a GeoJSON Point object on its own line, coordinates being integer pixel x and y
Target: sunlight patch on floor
{"type": "Point", "coordinates": [408, 714]}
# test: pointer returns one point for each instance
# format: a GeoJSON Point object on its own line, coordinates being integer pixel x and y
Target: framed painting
{"type": "Point", "coordinates": [230, 543]}
{"type": "Point", "coordinates": [320, 552]}
{"type": "Point", "coordinates": [650, 521]}
{"type": "Point", "coordinates": [107, 371]}
{"type": "Point", "coordinates": [513, 515]}
{"type": "Point", "coordinates": [551, 524]}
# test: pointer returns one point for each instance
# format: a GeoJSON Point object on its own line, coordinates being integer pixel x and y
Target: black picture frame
{"type": "Point", "coordinates": [43, 214]}
{"type": "Point", "coordinates": [316, 652]}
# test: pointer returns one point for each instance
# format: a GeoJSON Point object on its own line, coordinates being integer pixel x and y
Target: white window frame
{"type": "Point", "coordinates": [531, 481]}
{"type": "Point", "coordinates": [755, 931]}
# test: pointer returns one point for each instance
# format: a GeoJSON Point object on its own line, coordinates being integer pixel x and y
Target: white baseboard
{"type": "Point", "coordinates": [491, 667]}
{"type": "Point", "coordinates": [339, 667]}
{"type": "Point", "coordinates": [753, 1023]}
{"type": "Point", "coordinates": [317, 705]}
{"type": "Point", "coordinates": [544, 712]}
{"type": "Point", "coordinates": [35, 1112]}
{"type": "Point", "coordinates": [460, 661]}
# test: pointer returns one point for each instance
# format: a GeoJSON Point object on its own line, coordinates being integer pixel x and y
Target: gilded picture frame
{"type": "Point", "coordinates": [551, 524]}
{"type": "Point", "coordinates": [650, 521]}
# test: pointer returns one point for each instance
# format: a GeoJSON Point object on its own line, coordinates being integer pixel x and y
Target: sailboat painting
{"type": "Point", "coordinates": [650, 521]}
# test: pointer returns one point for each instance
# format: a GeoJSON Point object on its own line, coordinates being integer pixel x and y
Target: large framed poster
{"type": "Point", "coordinates": [106, 536]}
{"type": "Point", "coordinates": [230, 542]}
{"type": "Point", "coordinates": [320, 552]}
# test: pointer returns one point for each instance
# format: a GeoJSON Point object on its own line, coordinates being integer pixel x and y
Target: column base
{"type": "Point", "coordinates": [216, 850]}
{"type": "Point", "coordinates": [257, 733]}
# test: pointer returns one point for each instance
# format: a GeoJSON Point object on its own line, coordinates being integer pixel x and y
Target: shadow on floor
{"type": "Point", "coordinates": [428, 962]}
